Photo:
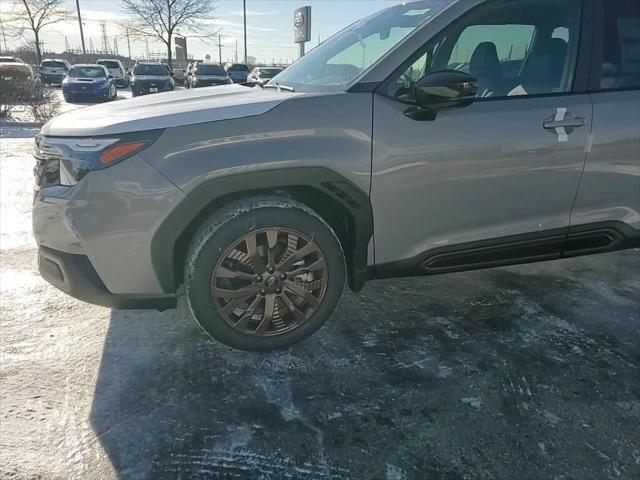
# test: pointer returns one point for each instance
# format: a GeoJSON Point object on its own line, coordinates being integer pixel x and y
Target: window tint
{"type": "Point", "coordinates": [87, 72]}
{"type": "Point", "coordinates": [513, 48]}
{"type": "Point", "coordinates": [52, 63]}
{"type": "Point", "coordinates": [238, 67]}
{"type": "Point", "coordinates": [109, 63]}
{"type": "Point", "coordinates": [512, 42]}
{"type": "Point", "coordinates": [150, 69]}
{"type": "Point", "coordinates": [209, 69]}
{"type": "Point", "coordinates": [621, 49]}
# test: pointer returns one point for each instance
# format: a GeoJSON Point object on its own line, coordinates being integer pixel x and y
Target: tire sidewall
{"type": "Point", "coordinates": [211, 244]}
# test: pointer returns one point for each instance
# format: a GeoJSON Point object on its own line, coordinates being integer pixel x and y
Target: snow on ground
{"type": "Point", "coordinates": [22, 114]}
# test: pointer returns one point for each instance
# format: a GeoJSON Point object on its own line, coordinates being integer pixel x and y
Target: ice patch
{"type": "Point", "coordinates": [475, 402]}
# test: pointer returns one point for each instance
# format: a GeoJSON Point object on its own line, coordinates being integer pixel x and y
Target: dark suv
{"type": "Point", "coordinates": [151, 77]}
{"type": "Point", "coordinates": [433, 137]}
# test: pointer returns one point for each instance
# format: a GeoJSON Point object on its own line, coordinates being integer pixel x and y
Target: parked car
{"type": "Point", "coordinates": [207, 75]}
{"type": "Point", "coordinates": [261, 75]}
{"type": "Point", "coordinates": [262, 202]}
{"type": "Point", "coordinates": [116, 69]}
{"type": "Point", "coordinates": [179, 75]}
{"type": "Point", "coordinates": [10, 59]}
{"type": "Point", "coordinates": [18, 83]}
{"type": "Point", "coordinates": [53, 71]}
{"type": "Point", "coordinates": [238, 72]}
{"type": "Point", "coordinates": [86, 82]}
{"type": "Point", "coordinates": [150, 77]}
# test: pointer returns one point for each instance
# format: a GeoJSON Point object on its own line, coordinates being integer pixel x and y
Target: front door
{"type": "Point", "coordinates": [505, 168]}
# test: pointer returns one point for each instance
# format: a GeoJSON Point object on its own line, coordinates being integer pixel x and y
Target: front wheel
{"type": "Point", "coordinates": [264, 273]}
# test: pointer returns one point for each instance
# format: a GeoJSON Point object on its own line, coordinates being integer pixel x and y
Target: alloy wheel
{"type": "Point", "coordinates": [269, 282]}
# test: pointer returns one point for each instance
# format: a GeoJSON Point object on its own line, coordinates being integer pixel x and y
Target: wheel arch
{"type": "Point", "coordinates": [342, 204]}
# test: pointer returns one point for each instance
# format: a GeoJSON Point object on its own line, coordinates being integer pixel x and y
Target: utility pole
{"type": "Point", "coordinates": [128, 43]}
{"type": "Point", "coordinates": [84, 50]}
{"type": "Point", "coordinates": [220, 48]}
{"type": "Point", "coordinates": [244, 14]}
{"type": "Point", "coordinates": [236, 60]}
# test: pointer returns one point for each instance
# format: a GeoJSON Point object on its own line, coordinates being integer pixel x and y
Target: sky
{"type": "Point", "coordinates": [269, 27]}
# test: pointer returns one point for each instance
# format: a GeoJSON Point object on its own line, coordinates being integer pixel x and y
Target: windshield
{"type": "Point", "coordinates": [87, 72]}
{"type": "Point", "coordinates": [109, 63]}
{"type": "Point", "coordinates": [334, 64]}
{"type": "Point", "coordinates": [150, 70]}
{"type": "Point", "coordinates": [209, 70]}
{"type": "Point", "coordinates": [238, 67]}
{"type": "Point", "coordinates": [269, 72]}
{"type": "Point", "coordinates": [52, 63]}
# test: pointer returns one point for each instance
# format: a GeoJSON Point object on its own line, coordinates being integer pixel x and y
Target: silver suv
{"type": "Point", "coordinates": [433, 137]}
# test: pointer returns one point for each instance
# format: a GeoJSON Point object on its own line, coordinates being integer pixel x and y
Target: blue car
{"type": "Point", "coordinates": [238, 72]}
{"type": "Point", "coordinates": [89, 82]}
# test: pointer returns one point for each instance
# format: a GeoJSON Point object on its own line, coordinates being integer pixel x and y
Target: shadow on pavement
{"type": "Point", "coordinates": [524, 372]}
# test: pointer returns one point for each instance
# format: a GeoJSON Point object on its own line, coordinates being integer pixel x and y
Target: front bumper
{"type": "Point", "coordinates": [52, 77]}
{"type": "Point", "coordinates": [145, 89]}
{"type": "Point", "coordinates": [102, 228]}
{"type": "Point", "coordinates": [74, 275]}
{"type": "Point", "coordinates": [87, 93]}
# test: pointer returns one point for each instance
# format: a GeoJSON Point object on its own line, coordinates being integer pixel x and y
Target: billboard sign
{"type": "Point", "coordinates": [302, 25]}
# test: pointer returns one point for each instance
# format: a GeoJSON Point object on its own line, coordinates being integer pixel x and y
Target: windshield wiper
{"type": "Point", "coordinates": [279, 87]}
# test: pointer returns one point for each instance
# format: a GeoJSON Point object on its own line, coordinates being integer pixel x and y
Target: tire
{"type": "Point", "coordinates": [68, 98]}
{"type": "Point", "coordinates": [297, 312]}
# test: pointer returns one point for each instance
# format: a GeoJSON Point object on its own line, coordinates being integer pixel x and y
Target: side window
{"type": "Point", "coordinates": [621, 49]}
{"type": "Point", "coordinates": [512, 47]}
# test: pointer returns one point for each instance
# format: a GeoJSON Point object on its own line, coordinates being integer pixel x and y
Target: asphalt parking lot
{"type": "Point", "coordinates": [528, 372]}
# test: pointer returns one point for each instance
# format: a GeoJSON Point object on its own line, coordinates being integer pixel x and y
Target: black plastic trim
{"type": "Point", "coordinates": [600, 237]}
{"type": "Point", "coordinates": [552, 244]}
{"type": "Point", "coordinates": [74, 275]}
{"type": "Point", "coordinates": [217, 191]}
{"type": "Point", "coordinates": [481, 254]}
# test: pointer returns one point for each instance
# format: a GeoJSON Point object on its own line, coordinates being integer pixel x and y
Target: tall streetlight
{"type": "Point", "coordinates": [244, 15]}
{"type": "Point", "coordinates": [84, 50]}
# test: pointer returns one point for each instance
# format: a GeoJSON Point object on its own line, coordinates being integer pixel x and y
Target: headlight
{"type": "Point", "coordinates": [76, 157]}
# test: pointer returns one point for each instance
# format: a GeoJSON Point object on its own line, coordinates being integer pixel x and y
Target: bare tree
{"type": "Point", "coordinates": [161, 18]}
{"type": "Point", "coordinates": [34, 15]}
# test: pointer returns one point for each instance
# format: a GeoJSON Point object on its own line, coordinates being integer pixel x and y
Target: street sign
{"type": "Point", "coordinates": [302, 25]}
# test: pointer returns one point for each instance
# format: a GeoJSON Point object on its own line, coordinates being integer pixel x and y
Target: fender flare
{"type": "Point", "coordinates": [218, 191]}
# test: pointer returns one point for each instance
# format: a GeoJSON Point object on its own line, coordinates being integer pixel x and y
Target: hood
{"type": "Point", "coordinates": [151, 78]}
{"type": "Point", "coordinates": [211, 77]}
{"type": "Point", "coordinates": [86, 80]}
{"type": "Point", "coordinates": [165, 110]}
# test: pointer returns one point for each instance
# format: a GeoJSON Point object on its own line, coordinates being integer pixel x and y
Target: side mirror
{"type": "Point", "coordinates": [110, 76]}
{"type": "Point", "coordinates": [443, 89]}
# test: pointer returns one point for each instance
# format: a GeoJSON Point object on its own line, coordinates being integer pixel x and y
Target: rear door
{"type": "Point", "coordinates": [495, 181]}
{"type": "Point", "coordinates": [609, 194]}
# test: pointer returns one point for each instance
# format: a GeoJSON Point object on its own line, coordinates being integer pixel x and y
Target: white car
{"type": "Point", "coordinates": [53, 71]}
{"type": "Point", "coordinates": [115, 67]}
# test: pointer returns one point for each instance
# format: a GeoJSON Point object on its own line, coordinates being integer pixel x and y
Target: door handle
{"type": "Point", "coordinates": [568, 123]}
{"type": "Point", "coordinates": [563, 123]}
